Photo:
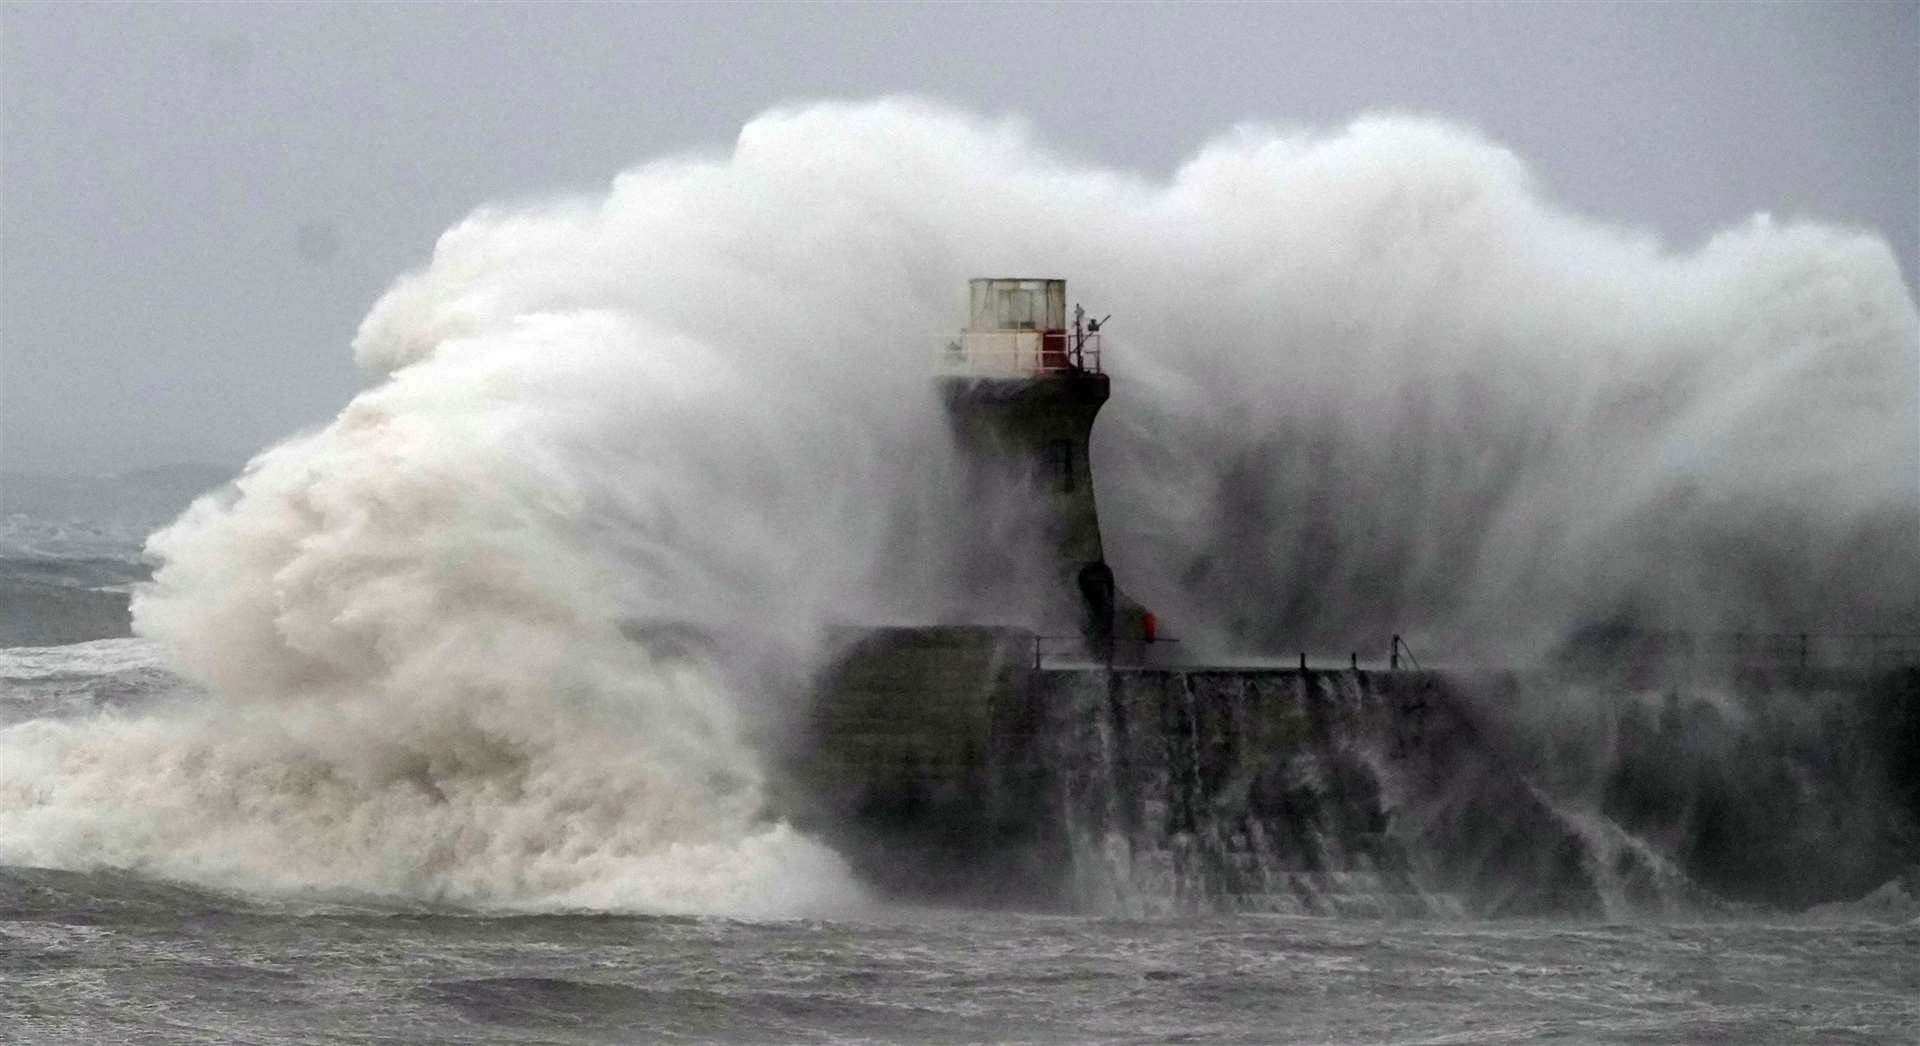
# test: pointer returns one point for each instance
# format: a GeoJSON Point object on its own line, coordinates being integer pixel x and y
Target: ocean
{"type": "Point", "coordinates": [113, 957]}
{"type": "Point", "coordinates": [138, 950]}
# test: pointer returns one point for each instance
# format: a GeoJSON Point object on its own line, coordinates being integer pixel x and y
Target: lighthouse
{"type": "Point", "coordinates": [1022, 386]}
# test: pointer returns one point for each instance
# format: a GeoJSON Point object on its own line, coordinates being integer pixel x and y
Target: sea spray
{"type": "Point", "coordinates": [449, 660]}
{"type": "Point", "coordinates": [502, 631]}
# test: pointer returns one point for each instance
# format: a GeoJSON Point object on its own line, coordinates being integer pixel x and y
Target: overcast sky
{"type": "Point", "coordinates": [198, 204]}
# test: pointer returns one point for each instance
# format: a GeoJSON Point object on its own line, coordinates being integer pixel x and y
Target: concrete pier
{"type": "Point", "coordinates": [948, 768]}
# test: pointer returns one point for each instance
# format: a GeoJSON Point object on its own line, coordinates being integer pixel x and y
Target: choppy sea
{"type": "Point", "coordinates": [112, 957]}
{"type": "Point", "coordinates": [105, 954]}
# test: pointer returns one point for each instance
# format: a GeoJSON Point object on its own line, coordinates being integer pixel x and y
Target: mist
{"type": "Point", "coordinates": [498, 633]}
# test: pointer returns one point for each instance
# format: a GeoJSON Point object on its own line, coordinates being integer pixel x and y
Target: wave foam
{"type": "Point", "coordinates": [492, 634]}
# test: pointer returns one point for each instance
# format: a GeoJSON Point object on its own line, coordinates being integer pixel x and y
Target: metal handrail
{"type": "Point", "coordinates": [1806, 649]}
{"type": "Point", "coordinates": [1393, 654]}
{"type": "Point", "coordinates": [1020, 353]}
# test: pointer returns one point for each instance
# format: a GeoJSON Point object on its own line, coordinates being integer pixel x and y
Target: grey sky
{"type": "Point", "coordinates": [198, 204]}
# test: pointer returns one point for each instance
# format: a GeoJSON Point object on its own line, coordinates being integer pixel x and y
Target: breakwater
{"type": "Point", "coordinates": [948, 767]}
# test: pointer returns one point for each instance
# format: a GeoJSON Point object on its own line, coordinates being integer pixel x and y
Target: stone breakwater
{"type": "Point", "coordinates": [947, 767]}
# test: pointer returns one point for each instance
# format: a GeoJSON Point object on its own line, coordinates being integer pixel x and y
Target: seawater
{"type": "Point", "coordinates": [132, 954]}
{"type": "Point", "coordinates": [96, 957]}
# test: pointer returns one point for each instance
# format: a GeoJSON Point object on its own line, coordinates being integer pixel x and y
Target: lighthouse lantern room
{"type": "Point", "coordinates": [1018, 328]}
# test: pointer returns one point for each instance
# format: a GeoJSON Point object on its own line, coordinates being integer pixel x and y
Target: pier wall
{"type": "Point", "coordinates": [949, 769]}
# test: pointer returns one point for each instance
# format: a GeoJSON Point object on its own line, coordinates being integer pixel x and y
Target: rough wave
{"type": "Point", "coordinates": [503, 631]}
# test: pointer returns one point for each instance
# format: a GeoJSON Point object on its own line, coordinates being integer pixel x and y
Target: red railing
{"type": "Point", "coordinates": [1020, 354]}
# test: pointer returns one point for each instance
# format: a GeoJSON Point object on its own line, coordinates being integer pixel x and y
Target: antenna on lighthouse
{"type": "Point", "coordinates": [1080, 336]}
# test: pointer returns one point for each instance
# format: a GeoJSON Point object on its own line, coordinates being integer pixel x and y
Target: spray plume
{"type": "Point", "coordinates": [499, 633]}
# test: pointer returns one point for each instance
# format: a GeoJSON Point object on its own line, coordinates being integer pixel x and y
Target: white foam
{"type": "Point", "coordinates": [1372, 368]}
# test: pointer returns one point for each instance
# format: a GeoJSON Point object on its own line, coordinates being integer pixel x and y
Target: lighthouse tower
{"type": "Point", "coordinates": [1022, 386]}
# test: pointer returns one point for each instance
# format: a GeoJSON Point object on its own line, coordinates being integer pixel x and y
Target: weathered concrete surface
{"type": "Point", "coordinates": [1024, 442]}
{"type": "Point", "coordinates": [1032, 433]}
{"type": "Point", "coordinates": [1785, 786]}
{"type": "Point", "coordinates": [948, 768]}
{"type": "Point", "coordinates": [915, 763]}
{"type": "Point", "coordinates": [1309, 792]}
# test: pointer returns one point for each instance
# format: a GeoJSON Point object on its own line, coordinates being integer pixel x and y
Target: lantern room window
{"type": "Point", "coordinates": [1018, 305]}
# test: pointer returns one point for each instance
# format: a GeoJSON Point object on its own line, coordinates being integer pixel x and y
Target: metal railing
{"type": "Point", "coordinates": [1714, 651]}
{"type": "Point", "coordinates": [1008, 354]}
{"type": "Point", "coordinates": [1741, 649]}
